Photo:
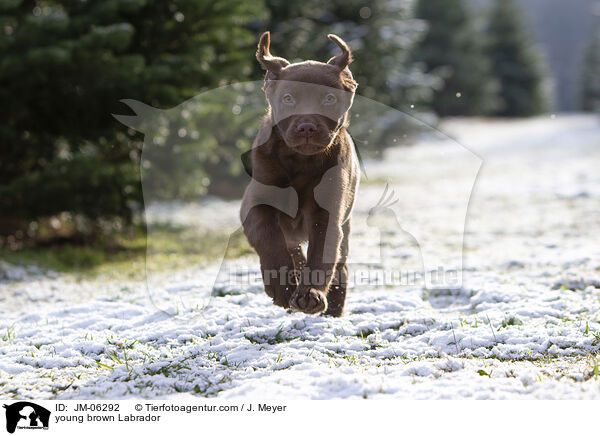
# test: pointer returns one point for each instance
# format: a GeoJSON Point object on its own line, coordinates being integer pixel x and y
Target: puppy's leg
{"type": "Point", "coordinates": [264, 234]}
{"type": "Point", "coordinates": [299, 260]}
{"type": "Point", "coordinates": [336, 297]}
{"type": "Point", "coordinates": [312, 297]}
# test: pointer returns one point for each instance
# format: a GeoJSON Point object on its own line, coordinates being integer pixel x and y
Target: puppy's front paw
{"type": "Point", "coordinates": [308, 301]}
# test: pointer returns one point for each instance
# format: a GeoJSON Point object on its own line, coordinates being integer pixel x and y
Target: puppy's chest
{"type": "Point", "coordinates": [307, 206]}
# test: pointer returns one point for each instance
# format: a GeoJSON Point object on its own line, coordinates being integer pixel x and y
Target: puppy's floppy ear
{"type": "Point", "coordinates": [270, 63]}
{"type": "Point", "coordinates": [341, 61]}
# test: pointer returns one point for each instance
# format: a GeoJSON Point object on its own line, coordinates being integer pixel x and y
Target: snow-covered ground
{"type": "Point", "coordinates": [525, 323]}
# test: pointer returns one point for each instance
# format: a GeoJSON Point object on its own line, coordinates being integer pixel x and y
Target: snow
{"type": "Point", "coordinates": [524, 323]}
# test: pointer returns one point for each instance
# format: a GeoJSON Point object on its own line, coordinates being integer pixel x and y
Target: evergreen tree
{"type": "Point", "coordinates": [453, 48]}
{"type": "Point", "coordinates": [590, 89]}
{"type": "Point", "coordinates": [66, 64]}
{"type": "Point", "coordinates": [515, 62]}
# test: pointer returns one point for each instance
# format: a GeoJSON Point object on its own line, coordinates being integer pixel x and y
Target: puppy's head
{"type": "Point", "coordinates": [309, 100]}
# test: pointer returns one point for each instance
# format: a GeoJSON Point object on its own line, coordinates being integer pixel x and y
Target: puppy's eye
{"type": "Point", "coordinates": [288, 99]}
{"type": "Point", "coordinates": [329, 99]}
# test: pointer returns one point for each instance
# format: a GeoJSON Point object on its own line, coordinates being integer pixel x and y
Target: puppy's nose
{"type": "Point", "coordinates": [306, 129]}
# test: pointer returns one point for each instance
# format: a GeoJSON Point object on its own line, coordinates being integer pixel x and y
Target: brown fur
{"type": "Point", "coordinates": [305, 175]}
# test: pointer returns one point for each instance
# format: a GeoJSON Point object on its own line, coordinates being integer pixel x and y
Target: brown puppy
{"type": "Point", "coordinates": [304, 177]}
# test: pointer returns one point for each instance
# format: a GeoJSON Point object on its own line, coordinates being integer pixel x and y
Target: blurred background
{"type": "Point", "coordinates": [70, 190]}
